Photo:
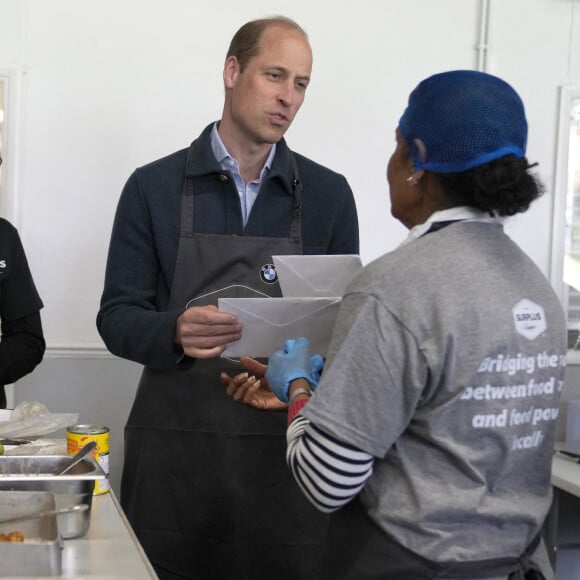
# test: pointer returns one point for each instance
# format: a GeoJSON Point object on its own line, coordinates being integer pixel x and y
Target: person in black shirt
{"type": "Point", "coordinates": [22, 344]}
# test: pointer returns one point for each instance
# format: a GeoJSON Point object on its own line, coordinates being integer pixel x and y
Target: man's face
{"type": "Point", "coordinates": [264, 98]}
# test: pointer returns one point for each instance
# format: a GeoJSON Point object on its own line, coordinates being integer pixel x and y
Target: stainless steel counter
{"type": "Point", "coordinates": [108, 551]}
{"type": "Point", "coordinates": [565, 478]}
{"type": "Point", "coordinates": [566, 474]}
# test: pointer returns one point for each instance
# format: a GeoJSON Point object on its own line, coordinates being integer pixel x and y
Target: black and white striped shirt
{"type": "Point", "coordinates": [329, 472]}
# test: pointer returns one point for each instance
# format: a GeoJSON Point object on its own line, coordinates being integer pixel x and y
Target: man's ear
{"type": "Point", "coordinates": [231, 71]}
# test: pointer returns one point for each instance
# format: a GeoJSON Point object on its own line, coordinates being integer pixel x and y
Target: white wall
{"type": "Point", "coordinates": [104, 87]}
{"type": "Point", "coordinates": [99, 88]}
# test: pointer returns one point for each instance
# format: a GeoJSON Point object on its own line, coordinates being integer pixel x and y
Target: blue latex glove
{"type": "Point", "coordinates": [317, 363]}
{"type": "Point", "coordinates": [290, 363]}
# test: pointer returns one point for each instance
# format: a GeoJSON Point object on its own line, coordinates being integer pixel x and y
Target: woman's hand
{"type": "Point", "coordinates": [251, 388]}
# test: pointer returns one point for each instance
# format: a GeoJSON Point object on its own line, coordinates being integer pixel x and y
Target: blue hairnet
{"type": "Point", "coordinates": [464, 118]}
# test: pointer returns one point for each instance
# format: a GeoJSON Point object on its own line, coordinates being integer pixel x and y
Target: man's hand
{"type": "Point", "coordinates": [251, 388]}
{"type": "Point", "coordinates": [204, 332]}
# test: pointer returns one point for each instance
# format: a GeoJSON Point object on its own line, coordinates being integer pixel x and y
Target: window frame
{"type": "Point", "coordinates": [11, 79]}
{"type": "Point", "coordinates": [569, 97]}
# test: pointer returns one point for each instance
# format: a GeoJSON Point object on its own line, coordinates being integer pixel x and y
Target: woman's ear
{"type": "Point", "coordinates": [416, 176]}
{"type": "Point", "coordinates": [421, 150]}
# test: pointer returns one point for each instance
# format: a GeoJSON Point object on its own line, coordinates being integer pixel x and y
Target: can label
{"type": "Point", "coordinates": [77, 436]}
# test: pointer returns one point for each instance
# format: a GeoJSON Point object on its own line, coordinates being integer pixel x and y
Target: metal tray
{"type": "Point", "coordinates": [40, 554]}
{"type": "Point", "coordinates": [37, 473]}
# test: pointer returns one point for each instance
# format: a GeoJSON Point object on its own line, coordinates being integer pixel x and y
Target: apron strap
{"type": "Point", "coordinates": [187, 197]}
{"type": "Point", "coordinates": [436, 226]}
{"type": "Point", "coordinates": [296, 223]}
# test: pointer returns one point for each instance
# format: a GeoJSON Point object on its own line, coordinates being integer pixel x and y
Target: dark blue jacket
{"type": "Point", "coordinates": [133, 319]}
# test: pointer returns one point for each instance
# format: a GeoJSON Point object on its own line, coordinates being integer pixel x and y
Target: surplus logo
{"type": "Point", "coordinates": [529, 319]}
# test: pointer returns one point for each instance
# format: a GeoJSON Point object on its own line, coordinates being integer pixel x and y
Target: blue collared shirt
{"type": "Point", "coordinates": [248, 193]}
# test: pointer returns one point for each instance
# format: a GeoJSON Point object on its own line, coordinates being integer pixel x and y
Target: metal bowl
{"type": "Point", "coordinates": [40, 552]}
{"type": "Point", "coordinates": [37, 473]}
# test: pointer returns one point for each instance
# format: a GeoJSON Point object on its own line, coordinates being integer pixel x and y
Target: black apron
{"type": "Point", "coordinates": [358, 549]}
{"type": "Point", "coordinates": [205, 483]}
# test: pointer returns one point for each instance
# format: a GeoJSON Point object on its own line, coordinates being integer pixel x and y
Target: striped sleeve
{"type": "Point", "coordinates": [329, 472]}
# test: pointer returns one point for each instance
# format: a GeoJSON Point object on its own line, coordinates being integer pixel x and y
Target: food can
{"type": "Point", "coordinates": [77, 436]}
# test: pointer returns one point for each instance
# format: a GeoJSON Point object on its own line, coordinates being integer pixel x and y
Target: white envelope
{"type": "Point", "coordinates": [269, 322]}
{"type": "Point", "coordinates": [312, 276]}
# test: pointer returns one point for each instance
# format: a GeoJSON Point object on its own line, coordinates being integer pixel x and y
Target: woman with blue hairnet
{"type": "Point", "coordinates": [430, 434]}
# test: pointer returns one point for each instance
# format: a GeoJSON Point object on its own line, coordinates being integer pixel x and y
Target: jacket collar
{"type": "Point", "coordinates": [204, 161]}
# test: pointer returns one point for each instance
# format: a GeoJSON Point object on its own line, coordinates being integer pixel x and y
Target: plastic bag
{"type": "Point", "coordinates": [33, 419]}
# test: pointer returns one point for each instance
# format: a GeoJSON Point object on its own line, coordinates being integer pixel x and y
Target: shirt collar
{"type": "Point", "coordinates": [460, 213]}
{"type": "Point", "coordinates": [223, 157]}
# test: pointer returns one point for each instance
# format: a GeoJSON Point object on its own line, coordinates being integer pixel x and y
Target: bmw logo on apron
{"type": "Point", "coordinates": [268, 274]}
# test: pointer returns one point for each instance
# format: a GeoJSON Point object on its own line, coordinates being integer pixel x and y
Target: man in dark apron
{"type": "Point", "coordinates": [205, 484]}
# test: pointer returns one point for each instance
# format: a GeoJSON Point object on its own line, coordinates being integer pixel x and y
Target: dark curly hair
{"type": "Point", "coordinates": [504, 186]}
